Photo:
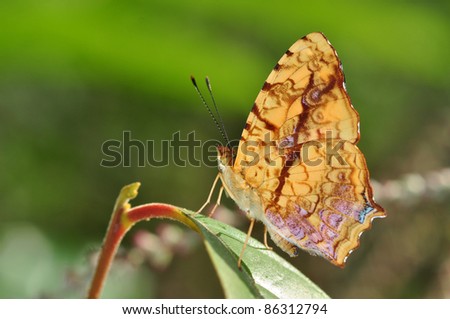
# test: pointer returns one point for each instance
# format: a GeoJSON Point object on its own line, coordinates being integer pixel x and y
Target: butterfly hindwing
{"type": "Point", "coordinates": [321, 206]}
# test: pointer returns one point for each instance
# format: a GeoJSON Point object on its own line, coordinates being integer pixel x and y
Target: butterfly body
{"type": "Point", "coordinates": [245, 196]}
{"type": "Point", "coordinates": [297, 168]}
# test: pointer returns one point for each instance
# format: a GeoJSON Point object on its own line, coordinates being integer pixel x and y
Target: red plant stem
{"type": "Point", "coordinates": [120, 223]}
{"type": "Point", "coordinates": [111, 243]}
{"type": "Point", "coordinates": [158, 210]}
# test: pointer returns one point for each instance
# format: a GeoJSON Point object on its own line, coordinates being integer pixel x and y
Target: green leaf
{"type": "Point", "coordinates": [264, 274]}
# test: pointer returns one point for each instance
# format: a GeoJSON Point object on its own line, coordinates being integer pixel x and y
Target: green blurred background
{"type": "Point", "coordinates": [75, 74]}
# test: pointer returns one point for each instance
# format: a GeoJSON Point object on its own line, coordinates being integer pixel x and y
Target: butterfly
{"type": "Point", "coordinates": [297, 168]}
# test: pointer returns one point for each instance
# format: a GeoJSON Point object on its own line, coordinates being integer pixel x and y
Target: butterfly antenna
{"type": "Point", "coordinates": [209, 110]}
{"type": "Point", "coordinates": [208, 85]}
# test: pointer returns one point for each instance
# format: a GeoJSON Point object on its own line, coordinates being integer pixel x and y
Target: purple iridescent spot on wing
{"type": "Point", "coordinates": [328, 232]}
{"type": "Point", "coordinates": [275, 219]}
{"type": "Point", "coordinates": [295, 228]}
{"type": "Point", "coordinates": [333, 219]}
{"type": "Point", "coordinates": [315, 236]}
{"type": "Point", "coordinates": [300, 226]}
{"type": "Point", "coordinates": [353, 209]}
{"type": "Point", "coordinates": [300, 210]}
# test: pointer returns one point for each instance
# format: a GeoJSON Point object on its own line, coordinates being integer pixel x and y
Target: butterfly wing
{"type": "Point", "coordinates": [322, 205]}
{"type": "Point", "coordinates": [310, 200]}
{"type": "Point", "coordinates": [303, 97]}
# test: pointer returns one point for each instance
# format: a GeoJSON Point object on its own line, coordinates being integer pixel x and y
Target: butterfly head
{"type": "Point", "coordinates": [224, 157]}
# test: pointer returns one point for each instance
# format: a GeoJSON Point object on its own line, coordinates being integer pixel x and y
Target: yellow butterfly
{"type": "Point", "coordinates": [297, 168]}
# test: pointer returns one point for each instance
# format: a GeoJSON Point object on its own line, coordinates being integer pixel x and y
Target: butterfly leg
{"type": "Point", "coordinates": [210, 194]}
{"type": "Point", "coordinates": [217, 203]}
{"type": "Point", "coordinates": [249, 232]}
{"type": "Point", "coordinates": [265, 238]}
